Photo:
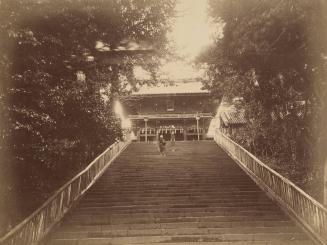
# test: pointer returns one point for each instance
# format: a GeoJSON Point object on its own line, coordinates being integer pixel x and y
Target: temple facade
{"type": "Point", "coordinates": [182, 109]}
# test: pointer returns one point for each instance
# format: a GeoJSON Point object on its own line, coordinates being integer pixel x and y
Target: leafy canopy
{"type": "Point", "coordinates": [273, 54]}
{"type": "Point", "coordinates": [53, 124]}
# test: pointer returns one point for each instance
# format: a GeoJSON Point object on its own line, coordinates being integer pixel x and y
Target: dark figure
{"type": "Point", "coordinates": [162, 145]}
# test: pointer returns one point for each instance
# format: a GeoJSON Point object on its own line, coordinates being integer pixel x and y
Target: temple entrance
{"type": "Point", "coordinates": [178, 136]}
{"type": "Point", "coordinates": [183, 129]}
{"type": "Point", "coordinates": [167, 131]}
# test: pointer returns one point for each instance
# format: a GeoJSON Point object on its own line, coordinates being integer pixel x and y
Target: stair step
{"type": "Point", "coordinates": [135, 220]}
{"type": "Point", "coordinates": [167, 204]}
{"type": "Point", "coordinates": [174, 208]}
{"type": "Point", "coordinates": [104, 242]}
{"type": "Point", "coordinates": [271, 237]}
{"type": "Point", "coordinates": [172, 225]}
{"type": "Point", "coordinates": [174, 232]}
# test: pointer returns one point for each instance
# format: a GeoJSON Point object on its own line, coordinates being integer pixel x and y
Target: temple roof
{"type": "Point", "coordinates": [176, 88]}
{"type": "Point", "coordinates": [232, 117]}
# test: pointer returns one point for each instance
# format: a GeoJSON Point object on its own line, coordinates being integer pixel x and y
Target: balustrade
{"type": "Point", "coordinates": [311, 214]}
{"type": "Point", "coordinates": [37, 225]}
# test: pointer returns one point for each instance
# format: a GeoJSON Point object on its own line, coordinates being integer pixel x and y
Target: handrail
{"type": "Point", "coordinates": [311, 214]}
{"type": "Point", "coordinates": [36, 226]}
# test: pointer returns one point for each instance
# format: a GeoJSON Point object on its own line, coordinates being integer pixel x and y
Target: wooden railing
{"type": "Point", "coordinates": [37, 225]}
{"type": "Point", "coordinates": [171, 115]}
{"type": "Point", "coordinates": [308, 212]}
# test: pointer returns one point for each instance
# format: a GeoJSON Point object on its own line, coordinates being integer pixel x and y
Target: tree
{"type": "Point", "coordinates": [53, 123]}
{"type": "Point", "coordinates": [273, 54]}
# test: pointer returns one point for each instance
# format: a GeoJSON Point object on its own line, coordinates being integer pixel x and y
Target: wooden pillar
{"type": "Point", "coordinates": [184, 130]}
{"type": "Point", "coordinates": [146, 129]}
{"type": "Point", "coordinates": [203, 128]}
{"type": "Point", "coordinates": [197, 126]}
{"type": "Point", "coordinates": [157, 130]}
{"type": "Point", "coordinates": [138, 135]}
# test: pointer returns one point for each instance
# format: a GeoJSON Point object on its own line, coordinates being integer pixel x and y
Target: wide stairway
{"type": "Point", "coordinates": [194, 195]}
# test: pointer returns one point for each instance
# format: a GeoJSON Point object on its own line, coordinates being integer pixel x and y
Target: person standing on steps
{"type": "Point", "coordinates": [162, 145]}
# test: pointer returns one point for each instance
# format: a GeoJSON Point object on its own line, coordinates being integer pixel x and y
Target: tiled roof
{"type": "Point", "coordinates": [232, 117]}
{"type": "Point", "coordinates": [227, 115]}
{"type": "Point", "coordinates": [177, 88]}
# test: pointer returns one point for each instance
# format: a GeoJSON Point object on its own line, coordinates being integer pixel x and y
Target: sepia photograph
{"type": "Point", "coordinates": [163, 122]}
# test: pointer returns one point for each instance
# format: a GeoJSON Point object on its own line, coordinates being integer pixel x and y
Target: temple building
{"type": "Point", "coordinates": [230, 117]}
{"type": "Point", "coordinates": [182, 109]}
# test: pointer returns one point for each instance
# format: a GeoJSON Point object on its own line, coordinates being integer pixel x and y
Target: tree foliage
{"type": "Point", "coordinates": [273, 54]}
{"type": "Point", "coordinates": [52, 124]}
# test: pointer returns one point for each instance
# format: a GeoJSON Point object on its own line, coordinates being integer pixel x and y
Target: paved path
{"type": "Point", "coordinates": [194, 195]}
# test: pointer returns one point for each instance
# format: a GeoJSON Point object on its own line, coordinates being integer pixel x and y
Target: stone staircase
{"type": "Point", "coordinates": [194, 195]}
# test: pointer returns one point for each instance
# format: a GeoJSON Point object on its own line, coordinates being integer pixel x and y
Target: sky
{"type": "Point", "coordinates": [190, 34]}
{"type": "Point", "coordinates": [191, 30]}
